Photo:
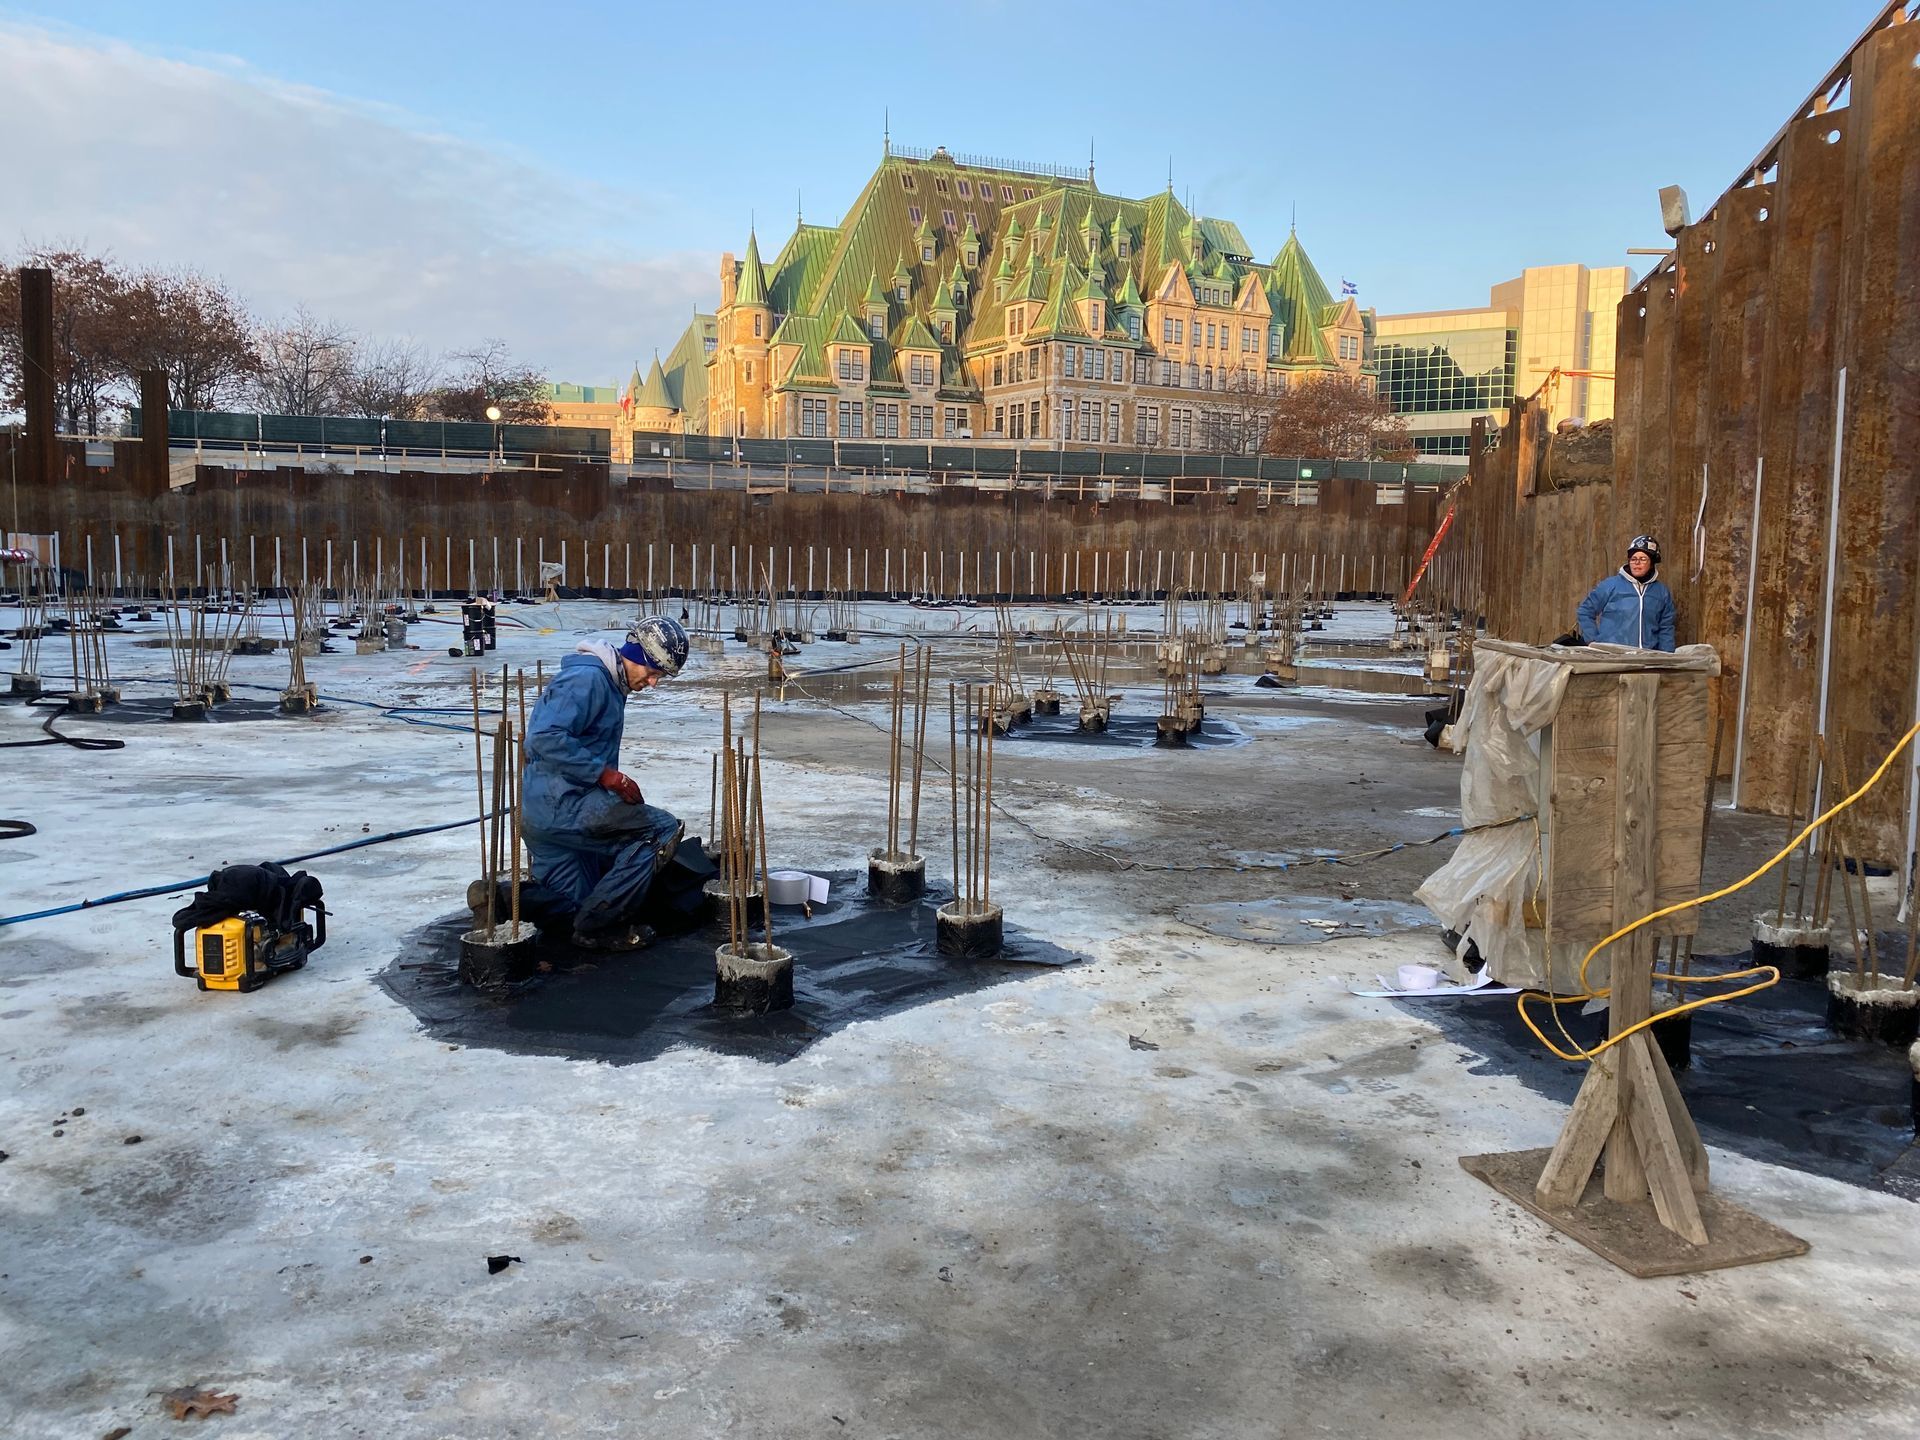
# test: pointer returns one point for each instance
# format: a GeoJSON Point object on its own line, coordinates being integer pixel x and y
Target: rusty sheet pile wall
{"type": "Point", "coordinates": [1349, 535]}
{"type": "Point", "coordinates": [1768, 431]}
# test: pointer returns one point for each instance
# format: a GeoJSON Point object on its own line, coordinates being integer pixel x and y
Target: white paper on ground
{"type": "Point", "coordinates": [1481, 984]}
{"type": "Point", "coordinates": [817, 888]}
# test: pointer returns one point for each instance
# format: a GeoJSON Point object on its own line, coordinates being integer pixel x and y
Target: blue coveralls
{"type": "Point", "coordinates": [587, 844]}
{"type": "Point", "coordinates": [1622, 611]}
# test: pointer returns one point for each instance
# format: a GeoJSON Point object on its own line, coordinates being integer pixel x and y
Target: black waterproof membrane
{"type": "Point", "coordinates": [1768, 1079]}
{"type": "Point", "coordinates": [156, 710]}
{"type": "Point", "coordinates": [1123, 732]}
{"type": "Point", "coordinates": [855, 959]}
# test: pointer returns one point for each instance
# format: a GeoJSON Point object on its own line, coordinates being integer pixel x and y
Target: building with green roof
{"type": "Point", "coordinates": [962, 297]}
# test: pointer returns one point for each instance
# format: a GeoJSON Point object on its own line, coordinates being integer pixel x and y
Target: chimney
{"type": "Point", "coordinates": [729, 272]}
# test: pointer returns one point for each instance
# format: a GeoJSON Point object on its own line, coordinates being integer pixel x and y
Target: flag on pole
{"type": "Point", "coordinates": [1347, 287]}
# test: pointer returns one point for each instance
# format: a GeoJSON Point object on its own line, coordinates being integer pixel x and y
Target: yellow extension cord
{"type": "Point", "coordinates": [1772, 973]}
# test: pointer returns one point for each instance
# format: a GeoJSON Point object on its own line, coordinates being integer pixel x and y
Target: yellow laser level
{"type": "Point", "coordinates": [244, 951]}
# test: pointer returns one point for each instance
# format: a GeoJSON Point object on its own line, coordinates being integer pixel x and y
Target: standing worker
{"type": "Point", "coordinates": [593, 839]}
{"type": "Point", "coordinates": [1631, 606]}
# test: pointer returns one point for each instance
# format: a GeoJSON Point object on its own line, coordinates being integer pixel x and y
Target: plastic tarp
{"type": "Point", "coordinates": [1483, 889]}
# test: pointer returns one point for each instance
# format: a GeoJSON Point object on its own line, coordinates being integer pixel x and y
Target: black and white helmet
{"type": "Point", "coordinates": [1647, 545]}
{"type": "Point", "coordinates": [663, 641]}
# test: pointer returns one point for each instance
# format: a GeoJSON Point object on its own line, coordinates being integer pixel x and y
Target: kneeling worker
{"type": "Point", "coordinates": [594, 841]}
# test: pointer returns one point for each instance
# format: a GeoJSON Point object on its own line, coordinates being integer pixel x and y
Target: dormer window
{"type": "Point", "coordinates": [966, 189]}
{"type": "Point", "coordinates": [1093, 317]}
{"type": "Point", "coordinates": [926, 253]}
{"type": "Point", "coordinates": [900, 291]}
{"type": "Point", "coordinates": [959, 296]}
{"type": "Point", "coordinates": [1133, 327]}
{"type": "Point", "coordinates": [876, 325]}
{"type": "Point", "coordinates": [1124, 247]}
{"type": "Point", "coordinates": [914, 213]}
{"type": "Point", "coordinates": [946, 332]}
{"type": "Point", "coordinates": [973, 256]}
{"type": "Point", "coordinates": [906, 181]}
{"type": "Point", "coordinates": [946, 217]}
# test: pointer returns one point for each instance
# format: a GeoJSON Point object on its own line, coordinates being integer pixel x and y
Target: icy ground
{"type": "Point", "coordinates": [1190, 1190]}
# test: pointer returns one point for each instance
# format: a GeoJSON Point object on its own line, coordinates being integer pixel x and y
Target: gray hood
{"type": "Point", "coordinates": [609, 656]}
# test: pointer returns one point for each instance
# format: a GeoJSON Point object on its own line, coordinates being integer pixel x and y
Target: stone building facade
{"type": "Point", "coordinates": [966, 299]}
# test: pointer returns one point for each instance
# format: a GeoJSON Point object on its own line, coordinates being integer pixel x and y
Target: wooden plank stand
{"type": "Point", "coordinates": [1652, 1211]}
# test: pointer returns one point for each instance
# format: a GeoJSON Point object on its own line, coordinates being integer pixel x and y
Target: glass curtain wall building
{"type": "Point", "coordinates": [1441, 368]}
{"type": "Point", "coordinates": [1438, 371]}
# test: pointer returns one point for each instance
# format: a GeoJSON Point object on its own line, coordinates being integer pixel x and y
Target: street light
{"type": "Point", "coordinates": [493, 414]}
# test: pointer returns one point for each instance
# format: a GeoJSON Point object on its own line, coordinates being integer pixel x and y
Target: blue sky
{"type": "Point", "coordinates": [564, 175]}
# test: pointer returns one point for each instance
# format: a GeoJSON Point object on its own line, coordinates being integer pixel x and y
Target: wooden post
{"type": "Point", "coordinates": [1630, 971]}
{"type": "Point", "coordinates": [36, 353]}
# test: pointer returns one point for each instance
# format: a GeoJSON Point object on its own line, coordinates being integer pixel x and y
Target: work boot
{"type": "Point", "coordinates": [477, 900]}
{"type": "Point", "coordinates": [670, 846]}
{"type": "Point", "coordinates": [635, 937]}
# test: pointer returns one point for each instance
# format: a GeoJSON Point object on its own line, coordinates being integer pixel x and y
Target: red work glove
{"type": "Point", "coordinates": [620, 785]}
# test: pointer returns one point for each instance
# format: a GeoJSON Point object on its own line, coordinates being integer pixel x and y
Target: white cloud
{"type": "Point", "coordinates": [360, 212]}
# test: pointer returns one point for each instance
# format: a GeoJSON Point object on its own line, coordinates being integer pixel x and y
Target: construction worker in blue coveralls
{"type": "Point", "coordinates": [1632, 606]}
{"type": "Point", "coordinates": [593, 839]}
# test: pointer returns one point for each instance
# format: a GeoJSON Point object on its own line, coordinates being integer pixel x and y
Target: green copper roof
{"type": "Point", "coordinates": [683, 373]}
{"type": "Point", "coordinates": [825, 279]}
{"type": "Point", "coordinates": [751, 288]}
{"type": "Point", "coordinates": [1059, 318]}
{"type": "Point", "coordinates": [914, 335]}
{"type": "Point", "coordinates": [799, 266]}
{"type": "Point", "coordinates": [653, 394]}
{"type": "Point", "coordinates": [810, 369]}
{"type": "Point", "coordinates": [1299, 297]}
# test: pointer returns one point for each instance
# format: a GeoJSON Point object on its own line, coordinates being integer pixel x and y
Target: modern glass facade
{"type": "Point", "coordinates": [1442, 368]}
{"type": "Point", "coordinates": [1457, 370]}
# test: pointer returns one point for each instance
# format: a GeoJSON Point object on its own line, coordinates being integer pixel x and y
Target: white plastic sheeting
{"type": "Point", "coordinates": [1483, 889]}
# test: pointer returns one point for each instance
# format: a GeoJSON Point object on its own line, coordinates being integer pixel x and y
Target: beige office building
{"type": "Point", "coordinates": [1441, 368]}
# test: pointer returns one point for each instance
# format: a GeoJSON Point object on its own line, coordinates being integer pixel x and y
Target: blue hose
{"type": "Point", "coordinates": [150, 891]}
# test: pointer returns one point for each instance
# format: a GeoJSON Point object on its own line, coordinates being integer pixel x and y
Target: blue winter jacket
{"type": "Point", "coordinates": [1623, 611]}
{"type": "Point", "coordinates": [573, 734]}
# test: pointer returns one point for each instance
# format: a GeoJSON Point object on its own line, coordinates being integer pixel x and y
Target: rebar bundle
{"type": "Point", "coordinates": [87, 637]}
{"type": "Point", "coordinates": [1089, 668]}
{"type": "Point", "coordinates": [200, 636]}
{"type": "Point", "coordinates": [33, 628]}
{"type": "Point", "coordinates": [743, 834]}
{"type": "Point", "coordinates": [499, 797]}
{"type": "Point", "coordinates": [970, 781]}
{"type": "Point", "coordinates": [907, 734]}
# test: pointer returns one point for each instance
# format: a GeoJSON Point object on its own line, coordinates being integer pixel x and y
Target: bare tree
{"type": "Point", "coordinates": [90, 304]}
{"type": "Point", "coordinates": [1335, 417]}
{"type": "Point", "coordinates": [391, 379]}
{"type": "Point", "coordinates": [189, 326]}
{"type": "Point", "coordinates": [305, 366]}
{"type": "Point", "coordinates": [487, 377]}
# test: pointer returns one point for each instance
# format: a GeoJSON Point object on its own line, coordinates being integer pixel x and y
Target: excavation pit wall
{"type": "Point", "coordinates": [114, 522]}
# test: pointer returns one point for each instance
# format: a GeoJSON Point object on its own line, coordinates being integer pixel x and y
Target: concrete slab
{"type": "Point", "coordinates": [990, 1215]}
